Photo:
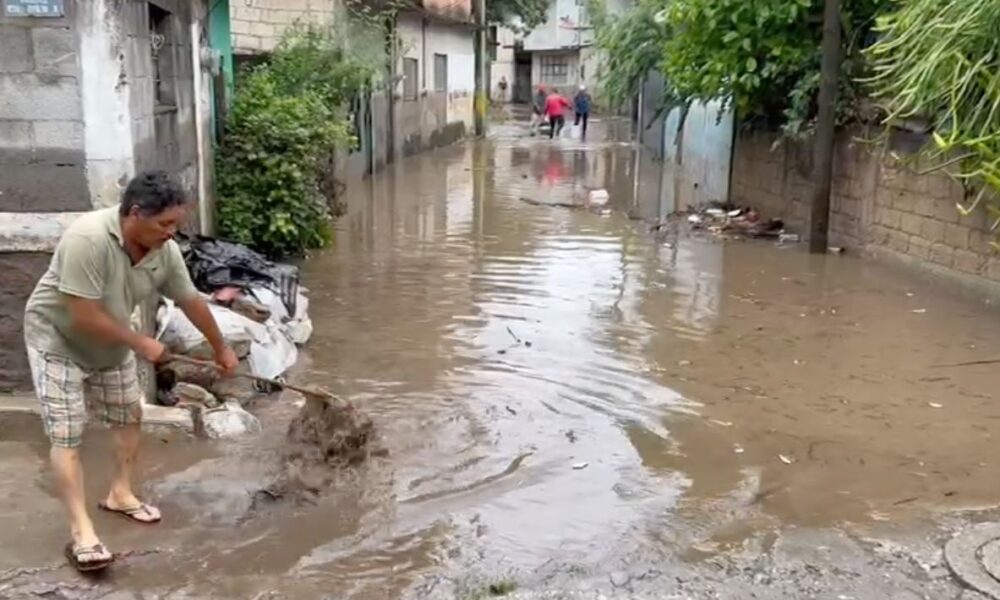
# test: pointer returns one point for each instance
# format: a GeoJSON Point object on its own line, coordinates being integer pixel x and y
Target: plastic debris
{"type": "Point", "coordinates": [581, 465]}
{"type": "Point", "coordinates": [785, 459]}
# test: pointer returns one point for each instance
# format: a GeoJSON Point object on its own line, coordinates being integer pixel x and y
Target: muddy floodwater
{"type": "Point", "coordinates": [571, 404]}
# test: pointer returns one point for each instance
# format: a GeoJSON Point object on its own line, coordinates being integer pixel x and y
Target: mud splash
{"type": "Point", "coordinates": [322, 438]}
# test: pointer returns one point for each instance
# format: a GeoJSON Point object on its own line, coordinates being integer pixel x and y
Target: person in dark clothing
{"type": "Point", "coordinates": [538, 110]}
{"type": "Point", "coordinates": [581, 104]}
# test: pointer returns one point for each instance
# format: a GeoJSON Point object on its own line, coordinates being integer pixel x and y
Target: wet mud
{"type": "Point", "coordinates": [571, 403]}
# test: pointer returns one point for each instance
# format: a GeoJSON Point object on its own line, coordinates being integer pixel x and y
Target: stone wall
{"type": "Point", "coordinates": [41, 124]}
{"type": "Point", "coordinates": [258, 25]}
{"type": "Point", "coordinates": [21, 272]}
{"type": "Point", "coordinates": [881, 204]}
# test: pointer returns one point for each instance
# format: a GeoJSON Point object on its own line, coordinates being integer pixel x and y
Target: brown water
{"type": "Point", "coordinates": [556, 385]}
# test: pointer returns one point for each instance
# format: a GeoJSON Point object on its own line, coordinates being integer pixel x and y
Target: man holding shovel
{"type": "Point", "coordinates": [82, 349]}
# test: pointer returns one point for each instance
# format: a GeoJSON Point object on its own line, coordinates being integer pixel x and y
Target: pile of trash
{"type": "Point", "coordinates": [262, 312]}
{"type": "Point", "coordinates": [726, 221]}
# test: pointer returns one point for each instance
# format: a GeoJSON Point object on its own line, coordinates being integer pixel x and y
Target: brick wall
{"type": "Point", "coordinates": [879, 203]}
{"type": "Point", "coordinates": [41, 122]}
{"type": "Point", "coordinates": [257, 25]}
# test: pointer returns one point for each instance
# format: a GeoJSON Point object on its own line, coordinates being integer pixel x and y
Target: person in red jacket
{"type": "Point", "coordinates": [555, 108]}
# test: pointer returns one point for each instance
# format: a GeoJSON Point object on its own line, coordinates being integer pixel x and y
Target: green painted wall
{"type": "Point", "coordinates": [220, 38]}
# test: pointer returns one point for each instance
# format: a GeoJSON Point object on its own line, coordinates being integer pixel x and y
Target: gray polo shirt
{"type": "Point", "coordinates": [91, 262]}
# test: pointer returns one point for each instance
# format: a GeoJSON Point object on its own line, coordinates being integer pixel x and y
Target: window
{"type": "Point", "coordinates": [440, 72]}
{"type": "Point", "coordinates": [410, 79]}
{"type": "Point", "coordinates": [161, 45]}
{"type": "Point", "coordinates": [554, 69]}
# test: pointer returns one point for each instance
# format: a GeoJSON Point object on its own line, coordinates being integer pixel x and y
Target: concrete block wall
{"type": "Point", "coordinates": [42, 153]}
{"type": "Point", "coordinates": [880, 204]}
{"type": "Point", "coordinates": [258, 25]}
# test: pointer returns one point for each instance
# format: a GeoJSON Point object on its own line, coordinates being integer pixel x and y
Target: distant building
{"type": "Point", "coordinates": [558, 53]}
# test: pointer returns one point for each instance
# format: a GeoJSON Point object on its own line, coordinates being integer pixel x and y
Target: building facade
{"type": "Point", "coordinates": [92, 92]}
{"type": "Point", "coordinates": [424, 101]}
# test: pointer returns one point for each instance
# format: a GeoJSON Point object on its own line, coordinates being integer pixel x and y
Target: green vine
{"type": "Point", "coordinates": [939, 60]}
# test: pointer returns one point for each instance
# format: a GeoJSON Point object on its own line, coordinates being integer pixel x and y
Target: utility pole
{"type": "Point", "coordinates": [819, 218]}
{"type": "Point", "coordinates": [479, 104]}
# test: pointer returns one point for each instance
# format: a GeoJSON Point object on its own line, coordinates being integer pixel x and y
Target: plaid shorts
{"type": "Point", "coordinates": [66, 392]}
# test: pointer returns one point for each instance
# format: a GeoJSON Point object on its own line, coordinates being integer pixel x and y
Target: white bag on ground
{"type": "Point", "coordinates": [269, 348]}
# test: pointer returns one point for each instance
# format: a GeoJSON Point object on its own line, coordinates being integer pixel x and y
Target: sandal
{"type": "Point", "coordinates": [76, 555]}
{"type": "Point", "coordinates": [136, 513]}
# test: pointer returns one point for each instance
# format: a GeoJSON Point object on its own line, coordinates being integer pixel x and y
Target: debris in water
{"type": "Point", "coordinates": [510, 410]}
{"type": "Point", "coordinates": [836, 249]}
{"type": "Point", "coordinates": [571, 436]}
{"type": "Point", "coordinates": [722, 423]}
{"type": "Point", "coordinates": [919, 311]}
{"type": "Point", "coordinates": [935, 405]}
{"type": "Point", "coordinates": [581, 465]}
{"type": "Point", "coordinates": [737, 449]}
{"type": "Point", "coordinates": [683, 363]}
{"type": "Point", "coordinates": [788, 238]}
{"type": "Point", "coordinates": [785, 459]}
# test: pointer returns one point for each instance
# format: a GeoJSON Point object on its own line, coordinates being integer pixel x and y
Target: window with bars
{"type": "Point", "coordinates": [440, 72]}
{"type": "Point", "coordinates": [554, 69]}
{"type": "Point", "coordinates": [162, 55]}
{"type": "Point", "coordinates": [410, 79]}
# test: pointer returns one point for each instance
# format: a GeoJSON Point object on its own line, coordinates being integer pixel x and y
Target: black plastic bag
{"type": "Point", "coordinates": [216, 264]}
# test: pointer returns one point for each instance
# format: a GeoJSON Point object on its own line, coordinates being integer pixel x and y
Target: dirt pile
{"type": "Point", "coordinates": [322, 439]}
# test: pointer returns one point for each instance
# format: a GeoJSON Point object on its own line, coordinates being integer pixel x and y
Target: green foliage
{"type": "Point", "coordinates": [631, 43]}
{"type": "Point", "coordinates": [940, 60]}
{"type": "Point", "coordinates": [523, 15]}
{"type": "Point", "coordinates": [286, 120]}
{"type": "Point", "coordinates": [762, 58]}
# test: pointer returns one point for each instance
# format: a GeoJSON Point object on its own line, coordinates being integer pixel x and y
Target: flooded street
{"type": "Point", "coordinates": [570, 403]}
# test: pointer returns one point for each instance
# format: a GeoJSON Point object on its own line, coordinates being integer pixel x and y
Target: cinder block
{"type": "Point", "coordinates": [59, 134]}
{"type": "Point", "coordinates": [15, 135]}
{"type": "Point", "coordinates": [919, 248]}
{"type": "Point", "coordinates": [55, 51]}
{"type": "Point", "coordinates": [945, 210]}
{"type": "Point", "coordinates": [932, 230]}
{"type": "Point", "coordinates": [956, 236]}
{"type": "Point", "coordinates": [970, 262]}
{"type": "Point", "coordinates": [943, 255]}
{"type": "Point", "coordinates": [910, 223]}
{"type": "Point", "coordinates": [924, 206]}
{"type": "Point", "coordinates": [27, 97]}
{"type": "Point", "coordinates": [15, 50]}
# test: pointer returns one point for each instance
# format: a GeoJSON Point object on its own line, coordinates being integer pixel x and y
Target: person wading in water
{"type": "Point", "coordinates": [82, 350]}
{"type": "Point", "coordinates": [555, 108]}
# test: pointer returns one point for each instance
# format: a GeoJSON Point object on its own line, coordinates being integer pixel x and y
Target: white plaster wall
{"type": "Point", "coordinates": [503, 66]}
{"type": "Point", "coordinates": [557, 31]}
{"type": "Point", "coordinates": [107, 124]}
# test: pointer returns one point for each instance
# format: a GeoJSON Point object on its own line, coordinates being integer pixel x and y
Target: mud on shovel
{"type": "Point", "coordinates": [310, 394]}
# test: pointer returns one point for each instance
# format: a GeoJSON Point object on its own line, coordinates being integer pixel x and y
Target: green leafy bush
{"type": "Point", "coordinates": [286, 122]}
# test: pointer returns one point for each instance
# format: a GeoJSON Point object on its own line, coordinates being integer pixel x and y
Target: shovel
{"type": "Point", "coordinates": [311, 394]}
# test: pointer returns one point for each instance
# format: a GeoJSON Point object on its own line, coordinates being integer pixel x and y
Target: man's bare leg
{"type": "Point", "coordinates": [69, 482]}
{"type": "Point", "coordinates": [126, 440]}
{"type": "Point", "coordinates": [121, 497]}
